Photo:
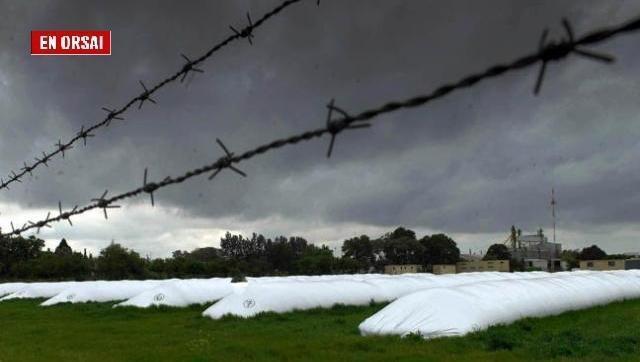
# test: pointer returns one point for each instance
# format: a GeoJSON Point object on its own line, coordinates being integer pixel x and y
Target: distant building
{"type": "Point", "coordinates": [444, 269]}
{"type": "Point", "coordinates": [613, 264]}
{"type": "Point", "coordinates": [632, 264]}
{"type": "Point", "coordinates": [533, 249]}
{"type": "Point", "coordinates": [482, 265]}
{"type": "Point", "coordinates": [536, 264]}
{"type": "Point", "coordinates": [402, 269]}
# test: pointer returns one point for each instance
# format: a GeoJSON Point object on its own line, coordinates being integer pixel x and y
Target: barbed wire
{"type": "Point", "coordinates": [116, 114]}
{"type": "Point", "coordinates": [547, 52]}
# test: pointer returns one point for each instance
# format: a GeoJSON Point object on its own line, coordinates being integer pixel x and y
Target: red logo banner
{"type": "Point", "coordinates": [70, 42]}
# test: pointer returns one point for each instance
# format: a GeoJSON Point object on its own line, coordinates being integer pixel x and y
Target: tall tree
{"type": "Point", "coordinates": [16, 251]}
{"type": "Point", "coordinates": [280, 254]}
{"type": "Point", "coordinates": [231, 246]}
{"type": "Point", "coordinates": [298, 245]}
{"type": "Point", "coordinates": [402, 233]}
{"type": "Point", "coordinates": [592, 252]}
{"type": "Point", "coordinates": [204, 254]}
{"type": "Point", "coordinates": [497, 252]}
{"type": "Point", "coordinates": [63, 248]}
{"type": "Point", "coordinates": [361, 250]}
{"type": "Point", "coordinates": [315, 261]}
{"type": "Point", "coordinates": [403, 251]}
{"type": "Point", "coordinates": [401, 247]}
{"type": "Point", "coordinates": [571, 257]}
{"type": "Point", "coordinates": [116, 262]}
{"type": "Point", "coordinates": [439, 249]}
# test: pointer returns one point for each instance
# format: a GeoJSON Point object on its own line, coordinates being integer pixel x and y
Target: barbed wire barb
{"type": "Point", "coordinates": [84, 135]}
{"type": "Point", "coordinates": [111, 116]}
{"type": "Point", "coordinates": [63, 147]}
{"type": "Point", "coordinates": [247, 32]}
{"type": "Point", "coordinates": [40, 224]}
{"type": "Point", "coordinates": [104, 203]}
{"type": "Point", "coordinates": [556, 51]}
{"type": "Point", "coordinates": [188, 67]}
{"type": "Point", "coordinates": [226, 162]}
{"type": "Point", "coordinates": [66, 215]}
{"type": "Point", "coordinates": [15, 177]}
{"type": "Point", "coordinates": [27, 169]}
{"type": "Point", "coordinates": [42, 160]}
{"type": "Point", "coordinates": [16, 231]}
{"type": "Point", "coordinates": [144, 96]}
{"type": "Point", "coordinates": [149, 187]}
{"type": "Point", "coordinates": [336, 126]}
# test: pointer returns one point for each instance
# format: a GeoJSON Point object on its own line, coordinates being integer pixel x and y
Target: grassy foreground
{"type": "Point", "coordinates": [96, 332]}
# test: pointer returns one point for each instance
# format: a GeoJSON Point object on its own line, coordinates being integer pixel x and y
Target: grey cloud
{"type": "Point", "coordinates": [473, 163]}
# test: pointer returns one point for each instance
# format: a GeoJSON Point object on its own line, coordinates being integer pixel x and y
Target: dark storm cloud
{"type": "Point", "coordinates": [475, 162]}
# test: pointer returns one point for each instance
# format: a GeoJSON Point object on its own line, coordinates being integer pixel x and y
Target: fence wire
{"type": "Point", "coordinates": [547, 52]}
{"type": "Point", "coordinates": [116, 114]}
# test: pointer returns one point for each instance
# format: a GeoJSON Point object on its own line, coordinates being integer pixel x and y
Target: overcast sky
{"type": "Point", "coordinates": [469, 165]}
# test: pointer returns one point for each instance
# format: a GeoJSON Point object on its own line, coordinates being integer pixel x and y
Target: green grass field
{"type": "Point", "coordinates": [96, 332]}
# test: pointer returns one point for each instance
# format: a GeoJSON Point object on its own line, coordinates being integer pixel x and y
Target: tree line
{"type": "Point", "coordinates": [237, 256]}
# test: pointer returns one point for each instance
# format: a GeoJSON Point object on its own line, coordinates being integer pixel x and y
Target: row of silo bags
{"type": "Point", "coordinates": [289, 295]}
{"type": "Point", "coordinates": [427, 304]}
{"type": "Point", "coordinates": [140, 293]}
{"type": "Point", "coordinates": [266, 294]}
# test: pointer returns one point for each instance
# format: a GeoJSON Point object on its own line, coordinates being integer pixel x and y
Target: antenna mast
{"type": "Point", "coordinates": [553, 212]}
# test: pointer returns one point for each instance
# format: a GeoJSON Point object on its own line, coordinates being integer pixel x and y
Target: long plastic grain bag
{"type": "Point", "coordinates": [313, 278]}
{"type": "Point", "coordinates": [455, 311]}
{"type": "Point", "coordinates": [8, 288]}
{"type": "Point", "coordinates": [102, 291]}
{"type": "Point", "coordinates": [281, 297]}
{"type": "Point", "coordinates": [40, 290]}
{"type": "Point", "coordinates": [181, 293]}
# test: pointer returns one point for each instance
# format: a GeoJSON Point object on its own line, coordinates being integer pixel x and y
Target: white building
{"type": "Point", "coordinates": [535, 251]}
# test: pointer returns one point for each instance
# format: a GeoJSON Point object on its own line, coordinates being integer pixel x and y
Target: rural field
{"type": "Point", "coordinates": [97, 332]}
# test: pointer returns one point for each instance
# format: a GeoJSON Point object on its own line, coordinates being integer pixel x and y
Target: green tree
{"type": "Point", "coordinates": [592, 252]}
{"type": "Point", "coordinates": [401, 247]}
{"type": "Point", "coordinates": [116, 262]}
{"type": "Point", "coordinates": [280, 254]}
{"type": "Point", "coordinates": [316, 261]}
{"type": "Point", "coordinates": [361, 250]}
{"type": "Point", "coordinates": [63, 248]}
{"type": "Point", "coordinates": [238, 247]}
{"type": "Point", "coordinates": [347, 266]}
{"type": "Point", "coordinates": [439, 249]}
{"type": "Point", "coordinates": [497, 252]}
{"type": "Point", "coordinates": [571, 258]}
{"type": "Point", "coordinates": [15, 252]}
{"type": "Point", "coordinates": [54, 266]}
